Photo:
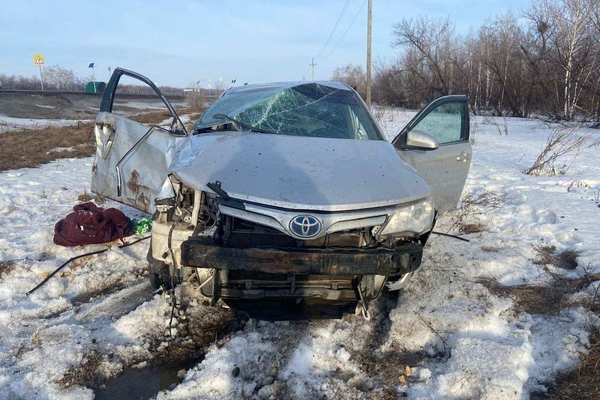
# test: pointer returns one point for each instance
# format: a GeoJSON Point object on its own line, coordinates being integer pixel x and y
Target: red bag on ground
{"type": "Point", "coordinates": [90, 224]}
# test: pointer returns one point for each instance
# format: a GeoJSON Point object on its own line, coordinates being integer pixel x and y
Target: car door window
{"type": "Point", "coordinates": [444, 168]}
{"type": "Point", "coordinates": [444, 122]}
{"type": "Point", "coordinates": [137, 101]}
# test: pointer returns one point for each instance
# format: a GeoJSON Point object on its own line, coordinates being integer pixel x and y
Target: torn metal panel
{"type": "Point", "coordinates": [132, 164]}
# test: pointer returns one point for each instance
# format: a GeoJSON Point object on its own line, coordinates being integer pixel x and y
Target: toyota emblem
{"type": "Point", "coordinates": [305, 226]}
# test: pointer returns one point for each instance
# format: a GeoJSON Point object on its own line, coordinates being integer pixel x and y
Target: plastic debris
{"type": "Point", "coordinates": [142, 226]}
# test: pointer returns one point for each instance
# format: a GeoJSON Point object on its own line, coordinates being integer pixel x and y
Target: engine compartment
{"type": "Point", "coordinates": [233, 258]}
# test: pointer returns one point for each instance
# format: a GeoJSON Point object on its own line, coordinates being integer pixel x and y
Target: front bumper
{"type": "Point", "coordinates": [264, 272]}
{"type": "Point", "coordinates": [339, 261]}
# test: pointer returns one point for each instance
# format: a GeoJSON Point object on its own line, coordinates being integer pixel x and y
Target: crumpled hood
{"type": "Point", "coordinates": [301, 173]}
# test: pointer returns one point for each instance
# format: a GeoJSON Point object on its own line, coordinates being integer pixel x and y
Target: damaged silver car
{"type": "Point", "coordinates": [284, 190]}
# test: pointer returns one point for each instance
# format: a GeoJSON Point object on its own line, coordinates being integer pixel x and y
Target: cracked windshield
{"type": "Point", "coordinates": [310, 109]}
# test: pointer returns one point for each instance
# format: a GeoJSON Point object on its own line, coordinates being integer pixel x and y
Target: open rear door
{"type": "Point", "coordinates": [445, 168]}
{"type": "Point", "coordinates": [132, 158]}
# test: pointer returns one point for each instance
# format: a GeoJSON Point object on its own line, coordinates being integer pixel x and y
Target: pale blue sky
{"type": "Point", "coordinates": [182, 41]}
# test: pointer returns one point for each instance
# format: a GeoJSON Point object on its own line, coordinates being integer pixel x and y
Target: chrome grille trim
{"type": "Point", "coordinates": [331, 222]}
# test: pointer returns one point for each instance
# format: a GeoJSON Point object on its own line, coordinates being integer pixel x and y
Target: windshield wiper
{"type": "Point", "coordinates": [241, 124]}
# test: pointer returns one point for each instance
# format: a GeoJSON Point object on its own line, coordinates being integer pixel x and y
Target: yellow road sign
{"type": "Point", "coordinates": [39, 59]}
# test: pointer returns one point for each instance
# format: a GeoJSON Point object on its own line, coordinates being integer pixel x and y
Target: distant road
{"type": "Point", "coordinates": [71, 92]}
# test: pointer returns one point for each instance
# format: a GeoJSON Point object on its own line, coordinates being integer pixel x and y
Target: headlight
{"type": "Point", "coordinates": [414, 218]}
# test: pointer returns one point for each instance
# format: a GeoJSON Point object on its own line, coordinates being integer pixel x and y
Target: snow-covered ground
{"type": "Point", "coordinates": [448, 334]}
{"type": "Point", "coordinates": [12, 124]}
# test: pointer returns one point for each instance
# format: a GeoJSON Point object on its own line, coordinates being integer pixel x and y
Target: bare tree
{"type": "Point", "coordinates": [389, 87]}
{"type": "Point", "coordinates": [546, 63]}
{"type": "Point", "coordinates": [354, 76]}
{"type": "Point", "coordinates": [432, 41]}
{"type": "Point", "coordinates": [59, 78]}
{"type": "Point", "coordinates": [55, 77]}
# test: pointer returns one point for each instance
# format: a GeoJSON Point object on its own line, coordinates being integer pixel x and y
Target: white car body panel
{"type": "Point", "coordinates": [299, 173]}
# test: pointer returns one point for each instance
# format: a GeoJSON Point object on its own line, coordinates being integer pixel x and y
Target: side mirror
{"type": "Point", "coordinates": [420, 140]}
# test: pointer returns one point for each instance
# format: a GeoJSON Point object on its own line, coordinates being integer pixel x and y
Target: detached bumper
{"type": "Point", "coordinates": [402, 259]}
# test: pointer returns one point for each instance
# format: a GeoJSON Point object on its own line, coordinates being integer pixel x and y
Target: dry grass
{"type": "Point", "coordinates": [6, 266]}
{"type": "Point", "coordinates": [530, 299]}
{"type": "Point", "coordinates": [30, 148]}
{"type": "Point", "coordinates": [153, 117]}
{"type": "Point", "coordinates": [86, 196]}
{"type": "Point", "coordinates": [195, 101]}
{"type": "Point", "coordinates": [467, 228]}
{"type": "Point", "coordinates": [490, 249]}
{"type": "Point", "coordinates": [85, 374]}
{"type": "Point", "coordinates": [547, 255]}
{"type": "Point", "coordinates": [192, 120]}
{"type": "Point", "coordinates": [561, 143]}
{"type": "Point", "coordinates": [465, 219]}
{"type": "Point", "coordinates": [545, 300]}
{"type": "Point", "coordinates": [502, 128]}
{"type": "Point", "coordinates": [582, 383]}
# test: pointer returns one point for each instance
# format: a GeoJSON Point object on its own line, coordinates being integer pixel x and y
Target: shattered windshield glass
{"type": "Point", "coordinates": [310, 109]}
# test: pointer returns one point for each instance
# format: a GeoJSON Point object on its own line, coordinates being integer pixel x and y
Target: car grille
{"type": "Point", "coordinates": [244, 234]}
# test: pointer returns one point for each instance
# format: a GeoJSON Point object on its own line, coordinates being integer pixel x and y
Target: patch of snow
{"type": "Point", "coordinates": [12, 124]}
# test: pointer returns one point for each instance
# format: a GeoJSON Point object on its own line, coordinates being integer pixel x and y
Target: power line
{"type": "Point", "coordinates": [339, 18]}
{"type": "Point", "coordinates": [335, 47]}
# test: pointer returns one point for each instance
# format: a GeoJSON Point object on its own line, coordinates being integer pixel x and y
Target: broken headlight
{"type": "Point", "coordinates": [414, 218]}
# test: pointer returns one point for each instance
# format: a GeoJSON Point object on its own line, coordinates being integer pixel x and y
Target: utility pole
{"type": "Point", "coordinates": [369, 39]}
{"type": "Point", "coordinates": [313, 65]}
{"type": "Point", "coordinates": [91, 66]}
{"type": "Point", "coordinates": [41, 66]}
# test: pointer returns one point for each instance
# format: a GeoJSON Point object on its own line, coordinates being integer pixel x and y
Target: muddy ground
{"type": "Point", "coordinates": [25, 148]}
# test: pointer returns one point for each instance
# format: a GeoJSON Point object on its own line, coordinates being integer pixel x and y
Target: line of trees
{"type": "Point", "coordinates": [59, 78]}
{"type": "Point", "coordinates": [546, 61]}
{"type": "Point", "coordinates": [55, 78]}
